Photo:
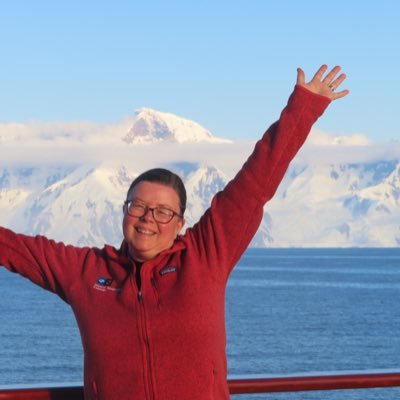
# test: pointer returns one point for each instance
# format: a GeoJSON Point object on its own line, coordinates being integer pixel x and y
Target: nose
{"type": "Point", "coordinates": [148, 215]}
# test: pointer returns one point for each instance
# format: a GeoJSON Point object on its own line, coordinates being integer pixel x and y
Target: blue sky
{"type": "Point", "coordinates": [229, 65]}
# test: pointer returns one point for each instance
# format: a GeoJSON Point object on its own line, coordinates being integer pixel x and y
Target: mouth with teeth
{"type": "Point", "coordinates": [144, 231]}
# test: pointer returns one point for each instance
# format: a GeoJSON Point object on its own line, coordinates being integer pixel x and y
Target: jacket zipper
{"type": "Point", "coordinates": [140, 297]}
{"type": "Point", "coordinates": [149, 383]}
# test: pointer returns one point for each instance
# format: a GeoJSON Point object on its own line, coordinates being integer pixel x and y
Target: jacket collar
{"type": "Point", "coordinates": [122, 254]}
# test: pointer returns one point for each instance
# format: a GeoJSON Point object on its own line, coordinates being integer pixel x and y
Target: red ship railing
{"type": "Point", "coordinates": [300, 383]}
{"type": "Point", "coordinates": [289, 383]}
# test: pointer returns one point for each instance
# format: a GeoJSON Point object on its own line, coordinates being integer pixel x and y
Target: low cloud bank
{"type": "Point", "coordinates": [78, 142]}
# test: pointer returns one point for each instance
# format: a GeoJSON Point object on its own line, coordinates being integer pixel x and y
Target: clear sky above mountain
{"type": "Point", "coordinates": [228, 65]}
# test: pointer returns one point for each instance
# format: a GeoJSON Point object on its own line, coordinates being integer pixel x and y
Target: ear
{"type": "Point", "coordinates": [180, 224]}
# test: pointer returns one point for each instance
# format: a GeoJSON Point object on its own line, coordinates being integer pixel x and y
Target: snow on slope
{"type": "Point", "coordinates": [348, 199]}
{"type": "Point", "coordinates": [151, 126]}
{"type": "Point", "coordinates": [338, 205]}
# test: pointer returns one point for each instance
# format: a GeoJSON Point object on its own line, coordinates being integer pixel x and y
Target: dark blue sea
{"type": "Point", "coordinates": [288, 311]}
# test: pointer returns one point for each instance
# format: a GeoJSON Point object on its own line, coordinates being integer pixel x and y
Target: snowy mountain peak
{"type": "Point", "coordinates": [151, 126]}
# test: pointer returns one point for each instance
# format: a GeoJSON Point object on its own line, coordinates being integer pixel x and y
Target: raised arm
{"type": "Point", "coordinates": [226, 229]}
{"type": "Point", "coordinates": [51, 265]}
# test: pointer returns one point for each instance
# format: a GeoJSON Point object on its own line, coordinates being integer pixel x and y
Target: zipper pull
{"type": "Point", "coordinates": [140, 297]}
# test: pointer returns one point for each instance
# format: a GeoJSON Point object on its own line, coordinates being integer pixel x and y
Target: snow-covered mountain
{"type": "Point", "coordinates": [83, 204]}
{"type": "Point", "coordinates": [339, 205]}
{"type": "Point", "coordinates": [321, 203]}
{"type": "Point", "coordinates": [151, 126]}
{"type": "Point", "coordinates": [147, 126]}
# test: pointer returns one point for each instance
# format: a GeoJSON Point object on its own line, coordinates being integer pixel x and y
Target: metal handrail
{"type": "Point", "coordinates": [308, 382]}
{"type": "Point", "coordinates": [288, 383]}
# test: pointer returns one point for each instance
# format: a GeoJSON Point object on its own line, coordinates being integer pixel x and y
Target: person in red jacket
{"type": "Point", "coordinates": [151, 313]}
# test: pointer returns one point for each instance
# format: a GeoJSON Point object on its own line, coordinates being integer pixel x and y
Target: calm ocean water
{"type": "Point", "coordinates": [288, 311]}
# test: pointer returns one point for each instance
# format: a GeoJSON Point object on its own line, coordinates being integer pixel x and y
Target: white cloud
{"type": "Point", "coordinates": [80, 141]}
{"type": "Point", "coordinates": [46, 131]}
{"type": "Point", "coordinates": [322, 148]}
{"type": "Point", "coordinates": [318, 137]}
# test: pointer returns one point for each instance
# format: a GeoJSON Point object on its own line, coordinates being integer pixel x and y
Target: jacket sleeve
{"type": "Point", "coordinates": [45, 262]}
{"type": "Point", "coordinates": [226, 229]}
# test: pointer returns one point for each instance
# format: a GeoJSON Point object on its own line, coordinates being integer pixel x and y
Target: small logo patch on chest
{"type": "Point", "coordinates": [104, 284]}
{"type": "Point", "coordinates": [104, 281]}
{"type": "Point", "coordinates": [168, 269]}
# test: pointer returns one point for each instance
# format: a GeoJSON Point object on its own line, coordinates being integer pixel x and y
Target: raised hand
{"type": "Point", "coordinates": [325, 86]}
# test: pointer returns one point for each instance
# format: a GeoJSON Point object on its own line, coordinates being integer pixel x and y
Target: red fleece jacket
{"type": "Point", "coordinates": [170, 344]}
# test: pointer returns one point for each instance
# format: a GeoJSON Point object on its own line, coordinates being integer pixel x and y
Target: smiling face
{"type": "Point", "coordinates": [145, 237]}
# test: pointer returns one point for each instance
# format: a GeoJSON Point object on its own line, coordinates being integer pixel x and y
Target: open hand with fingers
{"type": "Point", "coordinates": [324, 85]}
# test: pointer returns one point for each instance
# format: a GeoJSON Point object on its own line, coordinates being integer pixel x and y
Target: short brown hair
{"type": "Point", "coordinates": [165, 177]}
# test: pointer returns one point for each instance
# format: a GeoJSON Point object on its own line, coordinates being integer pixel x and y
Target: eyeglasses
{"type": "Point", "coordinates": [161, 215]}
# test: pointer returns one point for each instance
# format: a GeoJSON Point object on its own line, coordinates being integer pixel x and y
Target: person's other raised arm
{"type": "Point", "coordinates": [51, 265]}
{"type": "Point", "coordinates": [226, 229]}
